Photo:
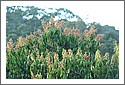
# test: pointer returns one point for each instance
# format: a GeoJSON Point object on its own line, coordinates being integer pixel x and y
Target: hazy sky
{"type": "Point", "coordinates": [104, 12]}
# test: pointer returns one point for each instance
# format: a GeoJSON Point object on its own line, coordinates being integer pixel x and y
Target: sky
{"type": "Point", "coordinates": [103, 12]}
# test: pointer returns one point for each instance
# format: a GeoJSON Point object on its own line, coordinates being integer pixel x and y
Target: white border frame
{"type": "Point", "coordinates": [54, 81]}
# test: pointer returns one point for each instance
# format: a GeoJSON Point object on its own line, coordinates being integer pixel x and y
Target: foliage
{"type": "Point", "coordinates": [110, 37]}
{"type": "Point", "coordinates": [60, 54]}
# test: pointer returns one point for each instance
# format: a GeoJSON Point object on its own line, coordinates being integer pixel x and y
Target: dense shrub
{"type": "Point", "coordinates": [60, 54]}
